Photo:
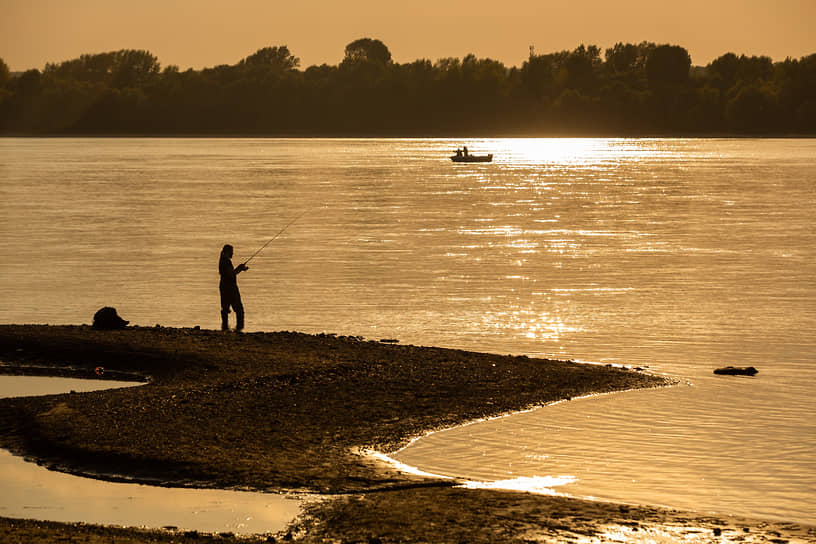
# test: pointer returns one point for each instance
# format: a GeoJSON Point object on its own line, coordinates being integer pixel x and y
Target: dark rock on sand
{"type": "Point", "coordinates": [107, 319]}
{"type": "Point", "coordinates": [737, 371]}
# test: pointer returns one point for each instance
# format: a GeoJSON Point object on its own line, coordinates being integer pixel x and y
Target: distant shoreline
{"type": "Point", "coordinates": [400, 136]}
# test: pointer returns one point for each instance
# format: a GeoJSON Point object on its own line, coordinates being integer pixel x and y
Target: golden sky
{"type": "Point", "coordinates": [201, 33]}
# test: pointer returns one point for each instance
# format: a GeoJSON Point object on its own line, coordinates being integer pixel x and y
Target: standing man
{"type": "Point", "coordinates": [230, 296]}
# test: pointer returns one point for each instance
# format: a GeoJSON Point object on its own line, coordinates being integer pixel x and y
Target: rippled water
{"type": "Point", "coordinates": [682, 255]}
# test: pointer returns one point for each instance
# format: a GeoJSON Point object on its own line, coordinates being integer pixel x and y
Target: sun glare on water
{"type": "Point", "coordinates": [547, 150]}
{"type": "Point", "coordinates": [563, 151]}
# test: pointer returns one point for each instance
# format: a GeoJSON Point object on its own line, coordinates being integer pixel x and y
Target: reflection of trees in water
{"type": "Point", "coordinates": [634, 88]}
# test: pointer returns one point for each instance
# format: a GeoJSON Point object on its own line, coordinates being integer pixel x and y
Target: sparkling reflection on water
{"type": "Point", "coordinates": [683, 255]}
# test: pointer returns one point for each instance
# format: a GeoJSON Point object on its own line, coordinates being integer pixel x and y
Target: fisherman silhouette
{"type": "Point", "coordinates": [230, 296]}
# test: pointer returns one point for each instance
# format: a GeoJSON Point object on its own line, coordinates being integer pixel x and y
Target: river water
{"type": "Point", "coordinates": [678, 254]}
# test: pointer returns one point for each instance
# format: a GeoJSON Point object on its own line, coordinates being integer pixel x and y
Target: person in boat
{"type": "Point", "coordinates": [458, 152]}
{"type": "Point", "coordinates": [230, 296]}
{"type": "Point", "coordinates": [465, 151]}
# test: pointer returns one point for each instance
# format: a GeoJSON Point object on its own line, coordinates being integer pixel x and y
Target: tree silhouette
{"type": "Point", "coordinates": [638, 89]}
{"type": "Point", "coordinates": [124, 68]}
{"type": "Point", "coordinates": [5, 75]}
{"type": "Point", "coordinates": [668, 65]}
{"type": "Point", "coordinates": [579, 68]}
{"type": "Point", "coordinates": [277, 58]}
{"type": "Point", "coordinates": [134, 68]}
{"type": "Point", "coordinates": [628, 59]}
{"type": "Point", "coordinates": [729, 70]}
{"type": "Point", "coordinates": [753, 109]}
{"type": "Point", "coordinates": [538, 75]}
{"type": "Point", "coordinates": [367, 50]}
{"type": "Point", "coordinates": [723, 71]}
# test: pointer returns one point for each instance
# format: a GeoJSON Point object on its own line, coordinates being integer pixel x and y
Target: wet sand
{"type": "Point", "coordinates": [290, 412]}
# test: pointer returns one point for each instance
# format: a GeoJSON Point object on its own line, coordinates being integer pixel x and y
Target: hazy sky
{"type": "Point", "coordinates": [200, 33]}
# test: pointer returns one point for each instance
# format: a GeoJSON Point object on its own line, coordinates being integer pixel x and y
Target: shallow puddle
{"type": "Point", "coordinates": [34, 492]}
{"type": "Point", "coordinates": [33, 386]}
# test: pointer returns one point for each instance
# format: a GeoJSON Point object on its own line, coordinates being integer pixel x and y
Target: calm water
{"type": "Point", "coordinates": [30, 386]}
{"type": "Point", "coordinates": [682, 255]}
{"type": "Point", "coordinates": [31, 491]}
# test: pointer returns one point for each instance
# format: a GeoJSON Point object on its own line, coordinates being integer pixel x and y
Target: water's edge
{"type": "Point", "coordinates": [62, 493]}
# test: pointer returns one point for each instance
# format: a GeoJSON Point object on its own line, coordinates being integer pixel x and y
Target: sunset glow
{"type": "Point", "coordinates": [208, 33]}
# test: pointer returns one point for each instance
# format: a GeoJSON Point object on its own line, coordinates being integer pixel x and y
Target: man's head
{"type": "Point", "coordinates": [227, 251]}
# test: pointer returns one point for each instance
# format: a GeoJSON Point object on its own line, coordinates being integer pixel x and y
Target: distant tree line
{"type": "Point", "coordinates": [633, 89]}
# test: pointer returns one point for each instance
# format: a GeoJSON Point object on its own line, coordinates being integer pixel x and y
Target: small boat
{"type": "Point", "coordinates": [471, 158]}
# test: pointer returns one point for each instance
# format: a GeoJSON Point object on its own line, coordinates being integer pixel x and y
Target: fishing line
{"type": "Point", "coordinates": [275, 237]}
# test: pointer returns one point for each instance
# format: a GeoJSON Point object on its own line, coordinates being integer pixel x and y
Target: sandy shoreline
{"type": "Point", "coordinates": [289, 411]}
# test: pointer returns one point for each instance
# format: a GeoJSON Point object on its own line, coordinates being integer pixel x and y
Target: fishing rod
{"type": "Point", "coordinates": [275, 237]}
